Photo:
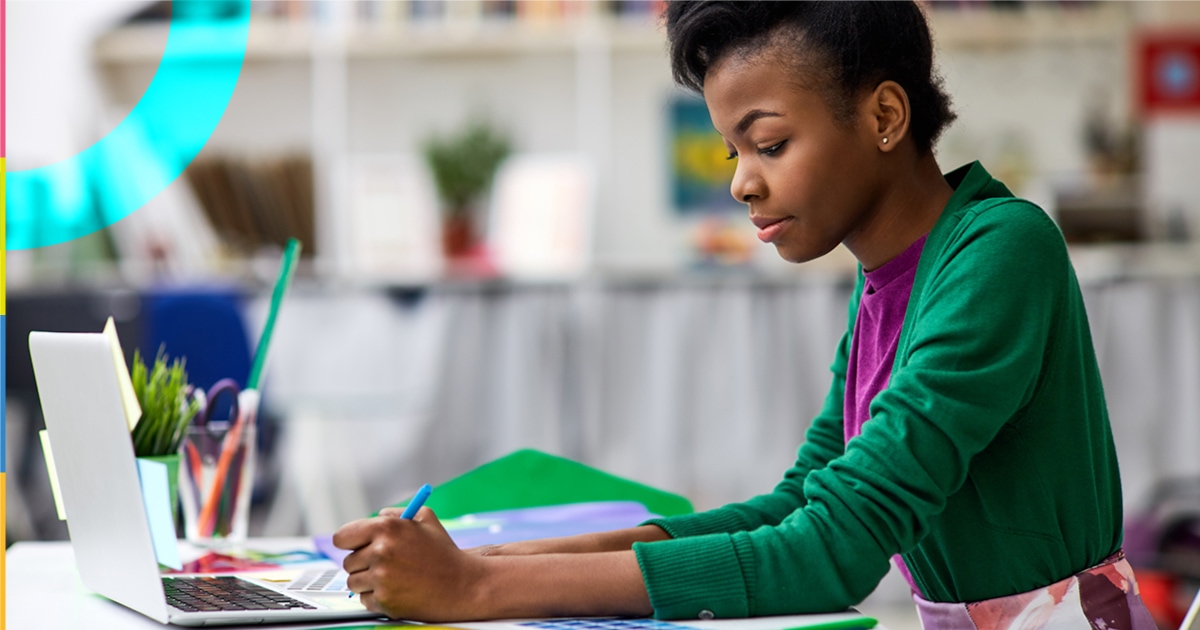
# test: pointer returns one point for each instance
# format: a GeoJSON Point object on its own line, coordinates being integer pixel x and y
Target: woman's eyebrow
{"type": "Point", "coordinates": [752, 116]}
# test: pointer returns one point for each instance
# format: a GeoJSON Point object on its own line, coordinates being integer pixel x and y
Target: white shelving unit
{"type": "Point", "coordinates": [1033, 24]}
{"type": "Point", "coordinates": [275, 40]}
{"type": "Point", "coordinates": [369, 88]}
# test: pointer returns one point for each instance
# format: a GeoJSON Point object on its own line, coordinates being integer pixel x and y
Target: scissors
{"type": "Point", "coordinates": [203, 418]}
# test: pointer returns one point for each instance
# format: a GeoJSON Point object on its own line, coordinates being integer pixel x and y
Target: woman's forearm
{"type": "Point", "coordinates": [560, 585]}
{"type": "Point", "coordinates": [616, 540]}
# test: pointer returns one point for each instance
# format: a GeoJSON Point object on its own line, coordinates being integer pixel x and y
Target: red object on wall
{"type": "Point", "coordinates": [1168, 74]}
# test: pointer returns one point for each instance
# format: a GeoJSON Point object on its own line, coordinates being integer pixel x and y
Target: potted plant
{"type": "Point", "coordinates": [463, 165]}
{"type": "Point", "coordinates": [164, 395]}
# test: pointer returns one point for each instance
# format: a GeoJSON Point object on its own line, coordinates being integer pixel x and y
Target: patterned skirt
{"type": "Point", "coordinates": [1104, 597]}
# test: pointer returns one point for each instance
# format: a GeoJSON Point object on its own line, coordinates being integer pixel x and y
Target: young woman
{"type": "Point", "coordinates": [965, 436]}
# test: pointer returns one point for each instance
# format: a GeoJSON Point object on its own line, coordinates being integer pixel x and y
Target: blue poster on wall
{"type": "Point", "coordinates": [701, 170]}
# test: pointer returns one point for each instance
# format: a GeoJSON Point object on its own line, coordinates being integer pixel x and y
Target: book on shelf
{"type": "Point", "coordinates": [422, 12]}
{"type": "Point", "coordinates": [1005, 6]}
{"type": "Point", "coordinates": [535, 12]}
{"type": "Point", "coordinates": [169, 237]}
{"type": "Point", "coordinates": [256, 202]}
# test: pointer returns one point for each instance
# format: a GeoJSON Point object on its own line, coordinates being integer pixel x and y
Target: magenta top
{"type": "Point", "coordinates": [873, 344]}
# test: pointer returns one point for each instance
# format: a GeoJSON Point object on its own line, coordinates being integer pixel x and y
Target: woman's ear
{"type": "Point", "coordinates": [888, 109]}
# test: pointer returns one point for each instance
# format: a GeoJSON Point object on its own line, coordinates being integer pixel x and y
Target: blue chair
{"type": "Point", "coordinates": [203, 324]}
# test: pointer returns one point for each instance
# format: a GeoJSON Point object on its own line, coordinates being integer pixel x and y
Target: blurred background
{"type": "Point", "coordinates": [518, 233]}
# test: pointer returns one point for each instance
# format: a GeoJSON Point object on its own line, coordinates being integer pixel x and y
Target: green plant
{"type": "Point", "coordinates": [162, 392]}
{"type": "Point", "coordinates": [463, 164]}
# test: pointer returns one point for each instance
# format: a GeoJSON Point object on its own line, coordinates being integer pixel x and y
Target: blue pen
{"type": "Point", "coordinates": [417, 501]}
{"type": "Point", "coordinates": [413, 506]}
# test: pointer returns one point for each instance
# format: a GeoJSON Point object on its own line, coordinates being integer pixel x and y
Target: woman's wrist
{"type": "Point", "coordinates": [623, 539]}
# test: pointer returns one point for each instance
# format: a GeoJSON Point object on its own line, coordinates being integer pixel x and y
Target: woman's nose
{"type": "Point", "coordinates": [746, 185]}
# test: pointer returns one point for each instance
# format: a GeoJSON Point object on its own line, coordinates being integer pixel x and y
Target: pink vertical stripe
{"type": "Point", "coordinates": [3, 63]}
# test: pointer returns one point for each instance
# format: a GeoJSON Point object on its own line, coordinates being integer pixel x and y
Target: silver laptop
{"type": "Point", "coordinates": [106, 518]}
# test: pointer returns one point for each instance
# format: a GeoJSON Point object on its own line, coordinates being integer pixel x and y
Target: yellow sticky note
{"type": "Point", "coordinates": [133, 411]}
{"type": "Point", "coordinates": [53, 472]}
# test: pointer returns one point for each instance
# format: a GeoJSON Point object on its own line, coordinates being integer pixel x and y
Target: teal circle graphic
{"type": "Point", "coordinates": [149, 149]}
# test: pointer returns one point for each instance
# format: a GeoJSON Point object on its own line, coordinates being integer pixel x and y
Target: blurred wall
{"type": "Point", "coordinates": [55, 103]}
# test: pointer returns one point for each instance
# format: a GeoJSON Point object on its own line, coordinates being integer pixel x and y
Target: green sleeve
{"type": "Point", "coordinates": [823, 441]}
{"type": "Point", "coordinates": [978, 336]}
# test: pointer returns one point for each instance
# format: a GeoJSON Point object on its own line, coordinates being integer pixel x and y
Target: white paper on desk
{"type": "Point", "coordinates": [48, 456]}
{"type": "Point", "coordinates": [133, 411]}
{"type": "Point", "coordinates": [156, 496]}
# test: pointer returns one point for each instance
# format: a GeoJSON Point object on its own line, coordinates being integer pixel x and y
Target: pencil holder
{"type": "Point", "coordinates": [216, 476]}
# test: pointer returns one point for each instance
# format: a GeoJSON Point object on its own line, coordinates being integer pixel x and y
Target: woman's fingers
{"type": "Point", "coordinates": [354, 534]}
{"type": "Point", "coordinates": [368, 600]}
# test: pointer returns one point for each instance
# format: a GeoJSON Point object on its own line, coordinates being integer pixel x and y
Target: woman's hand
{"type": "Point", "coordinates": [411, 569]}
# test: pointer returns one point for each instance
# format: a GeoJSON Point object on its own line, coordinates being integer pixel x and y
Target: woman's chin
{"type": "Point", "coordinates": [802, 252]}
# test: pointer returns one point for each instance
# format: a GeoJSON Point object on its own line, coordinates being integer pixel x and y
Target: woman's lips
{"type": "Point", "coordinates": [769, 231]}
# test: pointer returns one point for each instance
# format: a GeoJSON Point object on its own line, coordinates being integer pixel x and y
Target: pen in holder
{"type": "Point", "coordinates": [217, 472]}
{"type": "Point", "coordinates": [218, 459]}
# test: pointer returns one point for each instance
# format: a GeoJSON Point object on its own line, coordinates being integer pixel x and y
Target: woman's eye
{"type": "Point", "coordinates": [773, 149]}
{"type": "Point", "coordinates": [732, 155]}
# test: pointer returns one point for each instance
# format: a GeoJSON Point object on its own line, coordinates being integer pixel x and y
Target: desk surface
{"type": "Point", "coordinates": [44, 591]}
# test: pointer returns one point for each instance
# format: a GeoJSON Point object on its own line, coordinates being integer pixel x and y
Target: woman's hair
{"type": "Point", "coordinates": [846, 46]}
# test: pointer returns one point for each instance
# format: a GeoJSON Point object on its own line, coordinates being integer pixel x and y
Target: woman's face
{"type": "Point", "coordinates": [810, 182]}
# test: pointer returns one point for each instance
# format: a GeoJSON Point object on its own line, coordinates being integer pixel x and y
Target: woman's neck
{"type": "Point", "coordinates": [907, 209]}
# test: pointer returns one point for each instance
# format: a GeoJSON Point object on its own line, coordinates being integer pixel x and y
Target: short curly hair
{"type": "Point", "coordinates": [847, 46]}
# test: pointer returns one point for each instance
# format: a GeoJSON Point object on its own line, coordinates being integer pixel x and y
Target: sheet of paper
{"type": "Point", "coordinates": [53, 472]}
{"type": "Point", "coordinates": [133, 411]}
{"type": "Point", "coordinates": [156, 495]}
{"type": "Point", "coordinates": [503, 526]}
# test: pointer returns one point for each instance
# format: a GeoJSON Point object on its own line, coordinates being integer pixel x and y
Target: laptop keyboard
{"type": "Point", "coordinates": [209, 594]}
{"type": "Point", "coordinates": [321, 581]}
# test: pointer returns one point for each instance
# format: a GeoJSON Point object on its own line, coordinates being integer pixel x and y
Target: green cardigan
{"type": "Point", "coordinates": [988, 462]}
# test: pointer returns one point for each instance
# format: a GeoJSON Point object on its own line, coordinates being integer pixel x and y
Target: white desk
{"type": "Point", "coordinates": [44, 592]}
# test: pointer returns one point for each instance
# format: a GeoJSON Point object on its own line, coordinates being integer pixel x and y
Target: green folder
{"type": "Point", "coordinates": [530, 478]}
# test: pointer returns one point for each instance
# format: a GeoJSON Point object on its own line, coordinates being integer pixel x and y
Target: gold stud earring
{"type": "Point", "coordinates": [885, 140]}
